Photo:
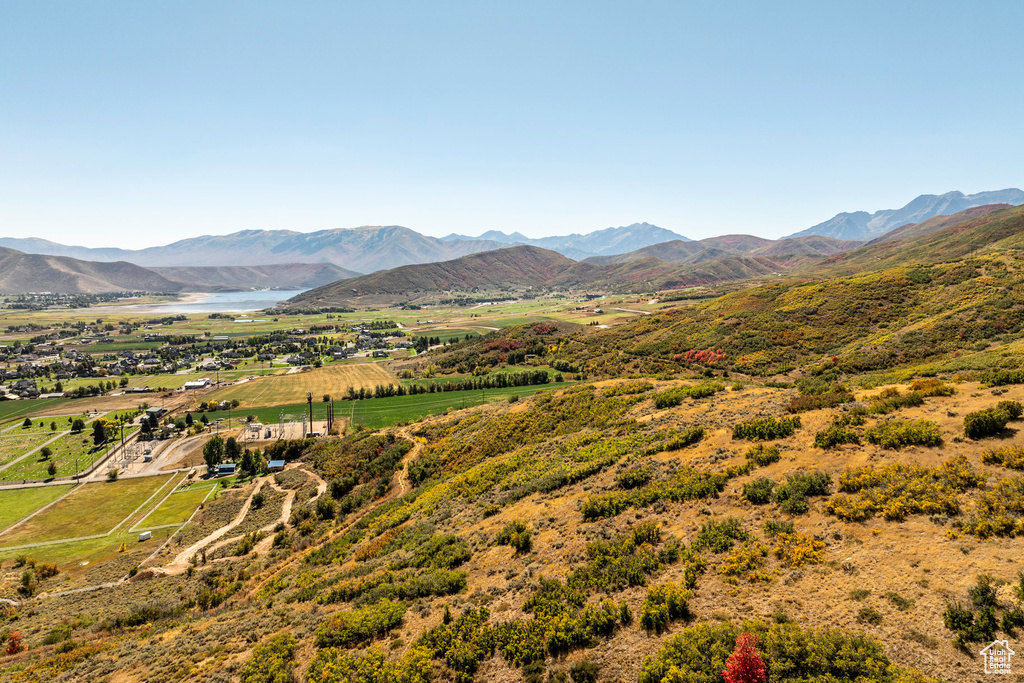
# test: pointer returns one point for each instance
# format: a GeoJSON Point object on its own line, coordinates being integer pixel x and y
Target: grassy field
{"type": "Point", "coordinates": [453, 333]}
{"type": "Point", "coordinates": [178, 507]}
{"type": "Point", "coordinates": [43, 425]}
{"type": "Point", "coordinates": [377, 413]}
{"type": "Point", "coordinates": [72, 453]}
{"type": "Point", "coordinates": [15, 409]}
{"type": "Point", "coordinates": [12, 447]}
{"type": "Point", "coordinates": [16, 504]}
{"type": "Point", "coordinates": [89, 510]}
{"type": "Point", "coordinates": [285, 389]}
{"type": "Point", "coordinates": [93, 560]}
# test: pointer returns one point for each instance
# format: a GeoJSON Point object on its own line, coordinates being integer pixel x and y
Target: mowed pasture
{"type": "Point", "coordinates": [377, 413]}
{"type": "Point", "coordinates": [15, 409]}
{"type": "Point", "coordinates": [17, 504]}
{"type": "Point", "coordinates": [89, 510]}
{"type": "Point", "coordinates": [178, 507]}
{"type": "Point", "coordinates": [291, 388]}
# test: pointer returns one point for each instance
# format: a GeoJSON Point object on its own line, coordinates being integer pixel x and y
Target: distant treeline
{"type": "Point", "coordinates": [495, 381]}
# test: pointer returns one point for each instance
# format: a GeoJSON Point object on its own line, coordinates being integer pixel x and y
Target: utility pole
{"type": "Point", "coordinates": [309, 400]}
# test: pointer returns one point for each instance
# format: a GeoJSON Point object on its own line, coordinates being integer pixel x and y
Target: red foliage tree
{"type": "Point", "coordinates": [745, 664]}
{"type": "Point", "coordinates": [14, 642]}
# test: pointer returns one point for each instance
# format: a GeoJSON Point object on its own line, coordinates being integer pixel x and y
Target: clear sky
{"type": "Point", "coordinates": [139, 122]}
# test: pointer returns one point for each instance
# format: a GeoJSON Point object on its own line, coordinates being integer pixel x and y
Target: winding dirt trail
{"type": "Point", "coordinates": [182, 560]}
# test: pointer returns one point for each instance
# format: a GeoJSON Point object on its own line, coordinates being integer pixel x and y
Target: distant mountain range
{"type": "Point", "coordinates": [362, 250]}
{"type": "Point", "coordinates": [287, 259]}
{"type": "Point", "coordinates": [861, 225]}
{"type": "Point", "coordinates": [21, 273]}
{"type": "Point", "coordinates": [597, 243]}
{"type": "Point", "coordinates": [682, 264]}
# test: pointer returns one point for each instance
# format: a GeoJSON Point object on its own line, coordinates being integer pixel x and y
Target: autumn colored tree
{"type": "Point", "coordinates": [745, 664]}
{"type": "Point", "coordinates": [14, 642]}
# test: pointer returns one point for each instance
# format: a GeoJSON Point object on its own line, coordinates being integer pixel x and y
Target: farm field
{"type": "Point", "coordinates": [178, 507]}
{"type": "Point", "coordinates": [377, 413]}
{"type": "Point", "coordinates": [89, 510]}
{"type": "Point", "coordinates": [10, 410]}
{"type": "Point", "coordinates": [16, 504]}
{"type": "Point", "coordinates": [292, 388]}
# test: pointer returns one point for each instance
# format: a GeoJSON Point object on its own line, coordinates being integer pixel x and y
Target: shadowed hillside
{"type": "Point", "coordinates": [21, 273]}
{"type": "Point", "coordinates": [513, 267]}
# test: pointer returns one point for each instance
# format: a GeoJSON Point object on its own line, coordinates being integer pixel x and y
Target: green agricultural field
{"type": "Point", "coordinates": [445, 335]}
{"type": "Point", "coordinates": [377, 413]}
{"type": "Point", "coordinates": [178, 507]}
{"type": "Point", "coordinates": [13, 447]}
{"type": "Point", "coordinates": [90, 510]}
{"type": "Point", "coordinates": [14, 409]}
{"type": "Point", "coordinates": [17, 504]}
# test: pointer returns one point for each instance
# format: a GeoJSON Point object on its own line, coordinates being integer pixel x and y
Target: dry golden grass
{"type": "Point", "coordinates": [292, 388]}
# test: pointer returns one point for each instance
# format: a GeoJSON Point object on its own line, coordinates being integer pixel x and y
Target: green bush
{"type": "Point", "coordinates": [669, 398]}
{"type": "Point", "coordinates": [988, 422]}
{"type": "Point", "coordinates": [763, 455]}
{"type": "Point", "coordinates": [766, 429]}
{"type": "Point", "coordinates": [627, 389]}
{"type": "Point", "coordinates": [271, 662]}
{"type": "Point", "coordinates": [516, 534]}
{"type": "Point", "coordinates": [633, 478]}
{"type": "Point", "coordinates": [719, 536]}
{"type": "Point", "coordinates": [360, 625]}
{"type": "Point", "coordinates": [999, 378]}
{"type": "Point", "coordinates": [791, 654]}
{"type": "Point", "coordinates": [792, 496]}
{"type": "Point", "coordinates": [664, 604]}
{"type": "Point", "coordinates": [894, 434]}
{"type": "Point", "coordinates": [882, 406]}
{"type": "Point", "coordinates": [833, 436]}
{"type": "Point", "coordinates": [1014, 408]}
{"type": "Point", "coordinates": [759, 491]}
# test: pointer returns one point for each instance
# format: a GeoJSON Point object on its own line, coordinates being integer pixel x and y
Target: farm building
{"type": "Point", "coordinates": [275, 465]}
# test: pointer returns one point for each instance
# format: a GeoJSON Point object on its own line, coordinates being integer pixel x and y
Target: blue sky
{"type": "Point", "coordinates": [137, 123]}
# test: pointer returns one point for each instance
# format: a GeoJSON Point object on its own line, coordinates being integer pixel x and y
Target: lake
{"type": "Point", "coordinates": [220, 302]}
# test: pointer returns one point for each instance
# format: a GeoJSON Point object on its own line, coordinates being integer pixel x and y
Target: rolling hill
{"type": "Point", "coordinates": [518, 267]}
{"type": "Point", "coordinates": [523, 267]}
{"type": "Point", "coordinates": [728, 246]}
{"type": "Point", "coordinates": [20, 273]}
